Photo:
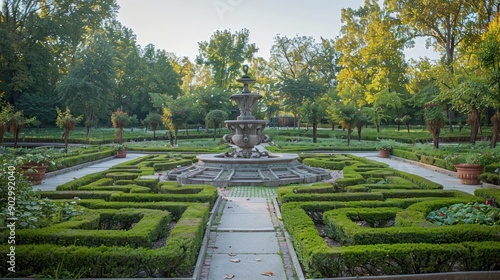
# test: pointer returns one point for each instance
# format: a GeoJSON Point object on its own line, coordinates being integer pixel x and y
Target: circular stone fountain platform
{"type": "Point", "coordinates": [273, 170]}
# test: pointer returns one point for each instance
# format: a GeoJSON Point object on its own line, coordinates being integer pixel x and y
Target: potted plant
{"type": "Point", "coordinates": [384, 147]}
{"type": "Point", "coordinates": [470, 165]}
{"type": "Point", "coordinates": [121, 150]}
{"type": "Point", "coordinates": [34, 165]}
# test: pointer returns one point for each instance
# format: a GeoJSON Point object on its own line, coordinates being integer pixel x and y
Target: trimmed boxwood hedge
{"type": "Point", "coordinates": [70, 161]}
{"type": "Point", "coordinates": [321, 261]}
{"type": "Point", "coordinates": [332, 163]}
{"type": "Point", "coordinates": [122, 188]}
{"type": "Point", "coordinates": [85, 180]}
{"type": "Point", "coordinates": [339, 225]}
{"type": "Point", "coordinates": [489, 194]}
{"type": "Point", "coordinates": [175, 208]}
{"type": "Point", "coordinates": [413, 245]}
{"type": "Point", "coordinates": [207, 194]}
{"type": "Point", "coordinates": [86, 230]}
{"type": "Point", "coordinates": [105, 195]}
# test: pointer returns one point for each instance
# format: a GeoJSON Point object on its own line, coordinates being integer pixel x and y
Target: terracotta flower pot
{"type": "Point", "coordinates": [121, 153]}
{"type": "Point", "coordinates": [383, 153]}
{"type": "Point", "coordinates": [34, 171]}
{"type": "Point", "coordinates": [469, 173]}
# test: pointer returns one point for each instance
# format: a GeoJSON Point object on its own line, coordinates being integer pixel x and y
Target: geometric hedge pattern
{"type": "Point", "coordinates": [372, 222]}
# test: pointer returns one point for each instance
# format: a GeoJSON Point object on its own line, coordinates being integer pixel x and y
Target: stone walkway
{"type": "Point", "coordinates": [247, 240]}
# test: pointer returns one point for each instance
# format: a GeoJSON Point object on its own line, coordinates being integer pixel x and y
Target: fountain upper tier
{"type": "Point", "coordinates": [246, 131]}
{"type": "Point", "coordinates": [246, 102]}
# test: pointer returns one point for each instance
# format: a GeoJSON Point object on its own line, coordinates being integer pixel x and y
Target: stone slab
{"type": "Point", "coordinates": [246, 242]}
{"type": "Point", "coordinates": [246, 220]}
{"type": "Point", "coordinates": [248, 267]}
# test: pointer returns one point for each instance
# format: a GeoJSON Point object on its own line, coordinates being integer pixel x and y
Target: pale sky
{"type": "Point", "coordinates": [178, 25]}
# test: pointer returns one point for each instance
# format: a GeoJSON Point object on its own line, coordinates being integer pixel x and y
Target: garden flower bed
{"type": "Point", "coordinates": [352, 228]}
{"type": "Point", "coordinates": [131, 227]}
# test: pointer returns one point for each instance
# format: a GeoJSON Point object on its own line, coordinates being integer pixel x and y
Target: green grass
{"type": "Point", "coordinates": [100, 135]}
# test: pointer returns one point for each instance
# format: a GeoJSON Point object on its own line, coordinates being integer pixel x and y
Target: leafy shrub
{"type": "Point", "coordinates": [470, 213]}
{"type": "Point", "coordinates": [405, 154]}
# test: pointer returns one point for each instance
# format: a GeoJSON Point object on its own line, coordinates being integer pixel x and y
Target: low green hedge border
{"type": "Point", "coordinates": [340, 224]}
{"type": "Point", "coordinates": [70, 161]}
{"type": "Point", "coordinates": [176, 259]}
{"type": "Point", "coordinates": [207, 194]}
{"type": "Point", "coordinates": [321, 261]}
{"type": "Point", "coordinates": [90, 229]}
{"type": "Point", "coordinates": [175, 208]}
{"type": "Point", "coordinates": [488, 194]}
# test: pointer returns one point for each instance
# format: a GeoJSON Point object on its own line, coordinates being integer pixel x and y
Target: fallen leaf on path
{"type": "Point", "coordinates": [232, 254]}
{"type": "Point", "coordinates": [257, 260]}
{"type": "Point", "coordinates": [268, 273]}
{"type": "Point", "coordinates": [228, 276]}
{"type": "Point", "coordinates": [234, 260]}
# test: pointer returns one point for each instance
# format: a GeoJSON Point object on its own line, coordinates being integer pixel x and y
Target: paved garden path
{"type": "Point", "coordinates": [247, 240]}
{"type": "Point", "coordinates": [441, 176]}
{"type": "Point", "coordinates": [54, 179]}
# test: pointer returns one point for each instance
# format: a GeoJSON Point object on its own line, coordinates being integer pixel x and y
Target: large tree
{"type": "Point", "coordinates": [448, 23]}
{"type": "Point", "coordinates": [489, 57]}
{"type": "Point", "coordinates": [297, 92]}
{"type": "Point", "coordinates": [225, 54]}
{"type": "Point", "coordinates": [88, 87]}
{"type": "Point", "coordinates": [38, 39]}
{"type": "Point", "coordinates": [208, 99]}
{"type": "Point", "coordinates": [372, 60]}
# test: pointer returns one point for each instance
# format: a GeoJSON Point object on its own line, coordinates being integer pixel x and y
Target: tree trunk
{"type": "Point", "coordinates": [360, 127]}
{"type": "Point", "coordinates": [2, 134]}
{"type": "Point", "coordinates": [495, 121]}
{"type": "Point", "coordinates": [315, 130]}
{"type": "Point", "coordinates": [349, 131]}
{"type": "Point", "coordinates": [473, 120]}
{"type": "Point", "coordinates": [408, 127]}
{"type": "Point", "coordinates": [16, 136]}
{"type": "Point", "coordinates": [119, 135]}
{"type": "Point", "coordinates": [435, 129]}
{"type": "Point", "coordinates": [449, 119]}
{"type": "Point", "coordinates": [66, 137]}
{"type": "Point", "coordinates": [435, 139]}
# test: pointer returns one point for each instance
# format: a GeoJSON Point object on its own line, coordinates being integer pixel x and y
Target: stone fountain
{"type": "Point", "coordinates": [249, 164]}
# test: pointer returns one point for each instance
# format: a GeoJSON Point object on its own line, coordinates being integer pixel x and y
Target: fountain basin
{"type": "Point", "coordinates": [274, 170]}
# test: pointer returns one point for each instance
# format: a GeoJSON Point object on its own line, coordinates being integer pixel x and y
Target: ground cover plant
{"type": "Point", "coordinates": [131, 226]}
{"type": "Point", "coordinates": [374, 222]}
{"type": "Point", "coordinates": [470, 213]}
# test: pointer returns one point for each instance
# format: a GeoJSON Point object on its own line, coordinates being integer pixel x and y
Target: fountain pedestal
{"type": "Point", "coordinates": [247, 165]}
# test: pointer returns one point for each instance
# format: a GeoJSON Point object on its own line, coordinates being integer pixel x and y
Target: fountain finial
{"type": "Point", "coordinates": [246, 80]}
